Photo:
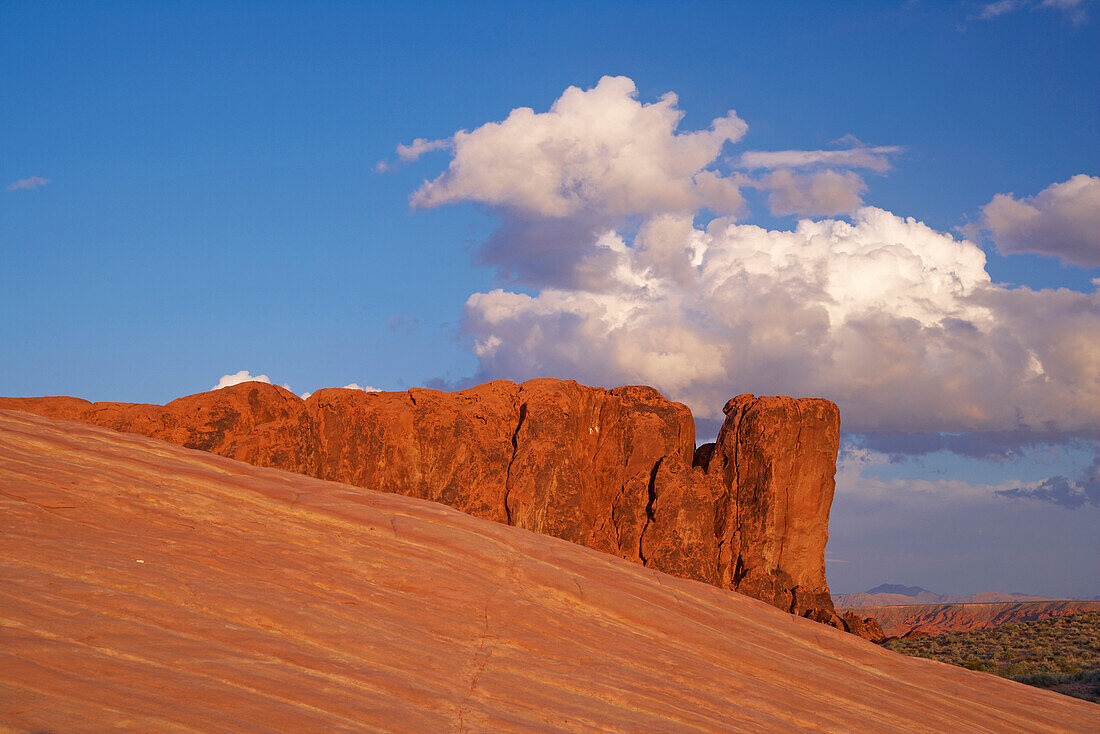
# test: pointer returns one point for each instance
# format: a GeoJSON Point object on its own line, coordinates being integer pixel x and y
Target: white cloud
{"type": "Point", "coordinates": [874, 158]}
{"type": "Point", "coordinates": [1062, 220]}
{"type": "Point", "coordinates": [238, 378]}
{"type": "Point", "coordinates": [412, 152]}
{"type": "Point", "coordinates": [599, 150]}
{"type": "Point", "coordinates": [357, 386]}
{"type": "Point", "coordinates": [32, 182]}
{"type": "Point", "coordinates": [897, 322]}
{"type": "Point", "coordinates": [419, 147]}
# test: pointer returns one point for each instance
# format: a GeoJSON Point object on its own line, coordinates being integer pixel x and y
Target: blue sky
{"type": "Point", "coordinates": [211, 204]}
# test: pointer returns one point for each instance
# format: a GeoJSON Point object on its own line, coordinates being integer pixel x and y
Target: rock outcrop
{"type": "Point", "coordinates": [150, 588]}
{"type": "Point", "coordinates": [615, 470]}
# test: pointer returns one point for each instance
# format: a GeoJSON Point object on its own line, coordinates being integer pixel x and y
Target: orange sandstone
{"type": "Point", "coordinates": [147, 587]}
{"type": "Point", "coordinates": [615, 470]}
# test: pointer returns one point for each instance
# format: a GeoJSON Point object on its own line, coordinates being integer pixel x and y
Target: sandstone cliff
{"type": "Point", "coordinates": [615, 470]}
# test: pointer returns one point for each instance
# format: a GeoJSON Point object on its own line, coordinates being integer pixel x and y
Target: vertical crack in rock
{"type": "Point", "coordinates": [649, 509]}
{"type": "Point", "coordinates": [515, 450]}
{"type": "Point", "coordinates": [738, 572]}
{"type": "Point", "coordinates": [739, 569]}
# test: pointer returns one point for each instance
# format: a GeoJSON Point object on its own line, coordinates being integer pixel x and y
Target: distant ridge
{"type": "Point", "coordinates": [892, 595]}
{"type": "Point", "coordinates": [897, 589]}
{"type": "Point", "coordinates": [932, 619]}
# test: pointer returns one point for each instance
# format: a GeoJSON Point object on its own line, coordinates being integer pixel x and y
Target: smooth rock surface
{"type": "Point", "coordinates": [146, 587]}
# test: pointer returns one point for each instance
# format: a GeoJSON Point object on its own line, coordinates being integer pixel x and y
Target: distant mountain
{"type": "Point", "coordinates": [933, 619]}
{"type": "Point", "coordinates": [897, 589]}
{"type": "Point", "coordinates": [892, 595]}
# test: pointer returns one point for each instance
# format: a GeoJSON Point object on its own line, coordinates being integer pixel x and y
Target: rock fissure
{"type": "Point", "coordinates": [650, 509]}
{"type": "Point", "coordinates": [508, 474]}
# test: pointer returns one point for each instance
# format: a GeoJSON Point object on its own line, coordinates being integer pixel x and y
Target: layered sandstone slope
{"type": "Point", "coordinates": [147, 587]}
{"type": "Point", "coordinates": [898, 621]}
{"type": "Point", "coordinates": [615, 470]}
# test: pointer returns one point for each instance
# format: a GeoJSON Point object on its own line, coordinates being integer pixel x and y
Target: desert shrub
{"type": "Point", "coordinates": [1085, 684]}
{"type": "Point", "coordinates": [1056, 653]}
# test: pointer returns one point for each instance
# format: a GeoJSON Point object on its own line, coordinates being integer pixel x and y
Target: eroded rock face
{"type": "Point", "coordinates": [776, 460]}
{"type": "Point", "coordinates": [615, 470]}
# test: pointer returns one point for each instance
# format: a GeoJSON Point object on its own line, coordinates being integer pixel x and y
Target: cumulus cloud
{"type": "Point", "coordinates": [598, 149]}
{"type": "Point", "coordinates": [899, 323]}
{"type": "Point", "coordinates": [1062, 220]}
{"type": "Point", "coordinates": [238, 378]}
{"type": "Point", "coordinates": [1061, 491]}
{"type": "Point", "coordinates": [559, 179]}
{"type": "Point", "coordinates": [33, 182]}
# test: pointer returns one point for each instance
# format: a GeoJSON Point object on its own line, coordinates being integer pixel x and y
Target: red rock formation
{"type": "Point", "coordinates": [866, 627]}
{"type": "Point", "coordinates": [776, 458]}
{"type": "Point", "coordinates": [150, 588]}
{"type": "Point", "coordinates": [615, 470]}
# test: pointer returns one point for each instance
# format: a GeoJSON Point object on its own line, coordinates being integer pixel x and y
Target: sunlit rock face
{"type": "Point", "coordinates": [615, 470]}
